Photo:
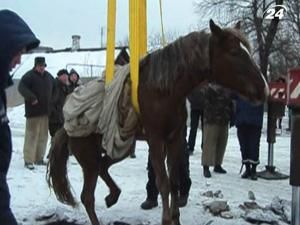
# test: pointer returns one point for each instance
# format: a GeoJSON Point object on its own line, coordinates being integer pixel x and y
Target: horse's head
{"type": "Point", "coordinates": [232, 65]}
{"type": "Point", "coordinates": [122, 58]}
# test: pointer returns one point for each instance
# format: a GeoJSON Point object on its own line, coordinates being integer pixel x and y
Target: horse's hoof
{"type": "Point", "coordinates": [166, 222]}
{"type": "Point", "coordinates": [182, 200]}
{"type": "Point", "coordinates": [112, 198]}
{"type": "Point", "coordinates": [176, 223]}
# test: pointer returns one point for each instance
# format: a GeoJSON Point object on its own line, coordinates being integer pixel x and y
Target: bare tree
{"type": "Point", "coordinates": [155, 39]}
{"type": "Point", "coordinates": [293, 26]}
{"type": "Point", "coordinates": [293, 15]}
{"type": "Point", "coordinates": [124, 42]}
{"type": "Point", "coordinates": [286, 47]}
{"type": "Point", "coordinates": [285, 51]}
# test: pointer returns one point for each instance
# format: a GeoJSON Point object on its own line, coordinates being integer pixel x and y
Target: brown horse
{"type": "Point", "coordinates": [166, 77]}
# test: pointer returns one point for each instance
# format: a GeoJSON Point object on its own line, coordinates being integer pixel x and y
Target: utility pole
{"type": "Point", "coordinates": [102, 36]}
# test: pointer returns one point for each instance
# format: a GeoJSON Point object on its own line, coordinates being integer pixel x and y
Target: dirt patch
{"type": "Point", "coordinates": [62, 223]}
{"type": "Point", "coordinates": [74, 223]}
{"type": "Point", "coordinates": [45, 220]}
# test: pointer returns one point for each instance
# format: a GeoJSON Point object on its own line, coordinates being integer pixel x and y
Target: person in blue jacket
{"type": "Point", "coordinates": [16, 38]}
{"type": "Point", "coordinates": [249, 122]}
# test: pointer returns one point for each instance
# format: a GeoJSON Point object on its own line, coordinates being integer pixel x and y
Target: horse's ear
{"type": "Point", "coordinates": [238, 25]}
{"type": "Point", "coordinates": [215, 29]}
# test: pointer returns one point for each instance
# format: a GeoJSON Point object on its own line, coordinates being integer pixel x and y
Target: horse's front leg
{"type": "Point", "coordinates": [174, 156]}
{"type": "Point", "coordinates": [157, 157]}
{"type": "Point", "coordinates": [115, 191]}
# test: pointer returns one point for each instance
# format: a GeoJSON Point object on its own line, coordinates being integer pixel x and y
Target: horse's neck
{"type": "Point", "coordinates": [196, 69]}
{"type": "Point", "coordinates": [179, 67]}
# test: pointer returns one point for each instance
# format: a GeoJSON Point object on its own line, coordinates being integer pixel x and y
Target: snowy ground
{"type": "Point", "coordinates": [31, 198]}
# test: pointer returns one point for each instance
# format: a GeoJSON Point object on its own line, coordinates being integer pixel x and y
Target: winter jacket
{"type": "Point", "coordinates": [196, 99]}
{"type": "Point", "coordinates": [14, 36]}
{"type": "Point", "coordinates": [35, 86]}
{"type": "Point", "coordinates": [248, 114]}
{"type": "Point", "coordinates": [72, 85]}
{"type": "Point", "coordinates": [57, 102]}
{"type": "Point", "coordinates": [218, 105]}
{"type": "Point", "coordinates": [277, 108]}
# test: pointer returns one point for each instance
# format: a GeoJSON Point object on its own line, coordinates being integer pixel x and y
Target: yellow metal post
{"type": "Point", "coordinates": [137, 43]}
{"type": "Point", "coordinates": [143, 28]}
{"type": "Point", "coordinates": [111, 30]}
{"type": "Point", "coordinates": [134, 45]}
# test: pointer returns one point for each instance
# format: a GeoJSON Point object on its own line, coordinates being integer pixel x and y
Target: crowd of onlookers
{"type": "Point", "coordinates": [44, 98]}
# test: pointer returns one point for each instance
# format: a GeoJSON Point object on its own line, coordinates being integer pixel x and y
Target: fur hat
{"type": "Point", "coordinates": [40, 61]}
{"type": "Point", "coordinates": [61, 72]}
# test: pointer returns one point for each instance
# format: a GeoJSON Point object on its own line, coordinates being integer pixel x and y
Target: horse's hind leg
{"type": "Point", "coordinates": [115, 191]}
{"type": "Point", "coordinates": [87, 194]}
{"type": "Point", "coordinates": [157, 157]}
{"type": "Point", "coordinates": [175, 149]}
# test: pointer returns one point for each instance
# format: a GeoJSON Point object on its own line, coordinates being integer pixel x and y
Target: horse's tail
{"type": "Point", "coordinates": [57, 177]}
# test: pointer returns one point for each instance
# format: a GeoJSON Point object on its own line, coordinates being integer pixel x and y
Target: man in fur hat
{"type": "Point", "coordinates": [36, 86]}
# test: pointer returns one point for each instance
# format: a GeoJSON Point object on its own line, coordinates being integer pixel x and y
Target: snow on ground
{"type": "Point", "coordinates": [31, 197]}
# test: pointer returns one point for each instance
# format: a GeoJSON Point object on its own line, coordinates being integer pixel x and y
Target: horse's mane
{"type": "Point", "coordinates": [239, 35]}
{"type": "Point", "coordinates": [162, 68]}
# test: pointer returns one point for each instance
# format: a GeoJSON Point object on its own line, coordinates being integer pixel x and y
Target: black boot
{"type": "Point", "coordinates": [247, 173]}
{"type": "Point", "coordinates": [253, 175]}
{"type": "Point", "coordinates": [219, 169]}
{"type": "Point", "coordinates": [149, 204]}
{"type": "Point", "coordinates": [190, 150]}
{"type": "Point", "coordinates": [206, 172]}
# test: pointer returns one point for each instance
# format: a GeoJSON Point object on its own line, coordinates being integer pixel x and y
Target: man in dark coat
{"type": "Point", "coordinates": [61, 90]}
{"type": "Point", "coordinates": [196, 105]}
{"type": "Point", "coordinates": [249, 122]}
{"type": "Point", "coordinates": [36, 86]}
{"type": "Point", "coordinates": [16, 38]}
{"type": "Point", "coordinates": [217, 111]}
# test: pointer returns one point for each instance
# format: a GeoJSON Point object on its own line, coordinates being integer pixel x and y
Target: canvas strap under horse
{"type": "Point", "coordinates": [105, 109]}
{"type": "Point", "coordinates": [137, 41]}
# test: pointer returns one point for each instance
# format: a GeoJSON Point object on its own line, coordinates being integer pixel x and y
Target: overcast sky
{"type": "Point", "coordinates": [55, 21]}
